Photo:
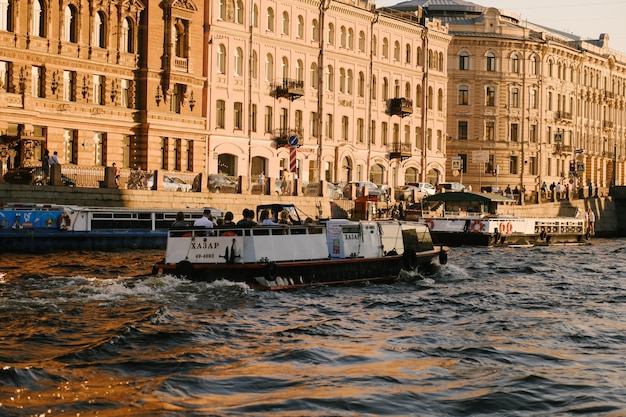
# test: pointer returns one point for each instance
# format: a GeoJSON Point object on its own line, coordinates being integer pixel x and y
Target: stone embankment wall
{"type": "Point", "coordinates": [607, 216]}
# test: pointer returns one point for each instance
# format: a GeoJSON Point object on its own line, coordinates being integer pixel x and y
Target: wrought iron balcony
{"type": "Point", "coordinates": [398, 150]}
{"type": "Point", "coordinates": [563, 115]}
{"type": "Point", "coordinates": [287, 88]}
{"type": "Point", "coordinates": [400, 107]}
{"type": "Point", "coordinates": [281, 136]}
{"type": "Point", "coordinates": [561, 149]}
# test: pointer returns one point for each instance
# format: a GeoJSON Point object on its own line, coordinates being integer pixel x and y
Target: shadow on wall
{"type": "Point", "coordinates": [337, 212]}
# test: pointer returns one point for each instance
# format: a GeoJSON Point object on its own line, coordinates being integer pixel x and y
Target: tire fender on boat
{"type": "Point", "coordinates": [410, 260]}
{"type": "Point", "coordinates": [496, 236]}
{"type": "Point", "coordinates": [270, 271]}
{"type": "Point", "coordinates": [543, 235]}
{"type": "Point", "coordinates": [184, 268]}
{"type": "Point", "coordinates": [63, 221]}
{"type": "Point", "coordinates": [443, 256]}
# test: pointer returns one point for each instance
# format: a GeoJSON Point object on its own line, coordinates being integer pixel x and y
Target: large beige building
{"type": "Point", "coordinates": [529, 102]}
{"type": "Point", "coordinates": [222, 86]}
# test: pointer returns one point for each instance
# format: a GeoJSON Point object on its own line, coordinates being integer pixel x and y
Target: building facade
{"type": "Point", "coordinates": [223, 86]}
{"type": "Point", "coordinates": [527, 104]}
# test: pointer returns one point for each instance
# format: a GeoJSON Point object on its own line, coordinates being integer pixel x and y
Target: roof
{"type": "Point", "coordinates": [467, 196]}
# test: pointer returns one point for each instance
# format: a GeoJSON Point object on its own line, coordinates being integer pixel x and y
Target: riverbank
{"type": "Point", "coordinates": [608, 218]}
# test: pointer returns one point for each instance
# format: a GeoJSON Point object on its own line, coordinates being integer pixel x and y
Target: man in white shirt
{"type": "Point", "coordinates": [205, 220]}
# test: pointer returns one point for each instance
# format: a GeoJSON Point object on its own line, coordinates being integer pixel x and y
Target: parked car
{"type": "Point", "coordinates": [492, 189]}
{"type": "Point", "coordinates": [451, 186]}
{"type": "Point", "coordinates": [34, 176]}
{"type": "Point", "coordinates": [221, 183]}
{"type": "Point", "coordinates": [372, 189]}
{"type": "Point", "coordinates": [424, 187]}
{"type": "Point", "coordinates": [170, 183]}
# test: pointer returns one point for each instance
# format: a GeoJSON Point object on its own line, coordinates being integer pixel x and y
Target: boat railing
{"type": "Point", "coordinates": [560, 226]}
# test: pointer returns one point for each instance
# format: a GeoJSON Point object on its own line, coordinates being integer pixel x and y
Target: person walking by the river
{"type": "Point", "coordinates": [116, 174]}
{"type": "Point", "coordinates": [54, 159]}
{"type": "Point", "coordinates": [590, 189]}
{"type": "Point", "coordinates": [45, 165]}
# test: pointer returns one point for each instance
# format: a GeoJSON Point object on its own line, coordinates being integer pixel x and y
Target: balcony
{"type": "Point", "coordinates": [607, 124]}
{"type": "Point", "coordinates": [400, 151]}
{"type": "Point", "coordinates": [400, 107]}
{"type": "Point", "coordinates": [561, 149]}
{"type": "Point", "coordinates": [563, 115]}
{"type": "Point", "coordinates": [286, 88]}
{"type": "Point", "coordinates": [281, 136]}
{"type": "Point", "coordinates": [609, 95]}
{"type": "Point", "coordinates": [180, 64]}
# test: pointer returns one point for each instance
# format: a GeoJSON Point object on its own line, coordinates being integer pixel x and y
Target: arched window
{"type": "Point", "coordinates": [221, 59]}
{"type": "Point", "coordinates": [70, 24]}
{"type": "Point", "coordinates": [361, 85]}
{"type": "Point", "coordinates": [284, 68]}
{"type": "Point", "coordinates": [374, 87]}
{"type": "Point", "coordinates": [430, 98]}
{"type": "Point", "coordinates": [239, 12]}
{"type": "Point", "coordinates": [342, 37]}
{"type": "Point", "coordinates": [374, 46]}
{"type": "Point", "coordinates": [331, 34]}
{"type": "Point", "coordinates": [342, 80]}
{"type": "Point", "coordinates": [361, 41]}
{"type": "Point", "coordinates": [128, 37]}
{"type": "Point", "coordinates": [440, 100]}
{"type": "Point", "coordinates": [269, 67]}
{"type": "Point", "coordinates": [350, 39]}
{"type": "Point", "coordinates": [330, 78]}
{"type": "Point", "coordinates": [350, 82]}
{"type": "Point", "coordinates": [238, 62]}
{"type": "Point", "coordinates": [407, 54]}
{"type": "Point", "coordinates": [300, 28]}
{"type": "Point", "coordinates": [396, 51]}
{"type": "Point", "coordinates": [385, 48]}
{"type": "Point", "coordinates": [491, 62]}
{"type": "Point", "coordinates": [270, 20]}
{"type": "Point", "coordinates": [440, 61]}
{"type": "Point", "coordinates": [464, 61]}
{"type": "Point", "coordinates": [299, 71]}
{"type": "Point", "coordinates": [385, 90]}
{"type": "Point", "coordinates": [418, 96]}
{"type": "Point", "coordinates": [314, 75]}
{"type": "Point", "coordinates": [418, 56]}
{"type": "Point", "coordinates": [254, 63]}
{"type": "Point", "coordinates": [221, 9]}
{"type": "Point", "coordinates": [181, 41]}
{"type": "Point", "coordinates": [285, 29]}
{"type": "Point", "coordinates": [533, 65]}
{"type": "Point", "coordinates": [407, 90]}
{"type": "Point", "coordinates": [515, 64]}
{"type": "Point", "coordinates": [255, 16]}
{"type": "Point", "coordinates": [315, 31]}
{"type": "Point", "coordinates": [6, 15]}
{"type": "Point", "coordinates": [39, 20]}
{"type": "Point", "coordinates": [99, 30]}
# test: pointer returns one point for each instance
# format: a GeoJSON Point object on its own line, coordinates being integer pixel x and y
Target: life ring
{"type": "Point", "coordinates": [229, 233]}
{"type": "Point", "coordinates": [509, 227]}
{"type": "Point", "coordinates": [63, 221]}
{"type": "Point", "coordinates": [477, 226]}
{"type": "Point", "coordinates": [502, 228]}
{"type": "Point", "coordinates": [184, 268]}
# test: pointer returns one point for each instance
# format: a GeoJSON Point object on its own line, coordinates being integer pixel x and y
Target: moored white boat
{"type": "Point", "coordinates": [284, 257]}
{"type": "Point", "coordinates": [464, 218]}
{"type": "Point", "coordinates": [37, 228]}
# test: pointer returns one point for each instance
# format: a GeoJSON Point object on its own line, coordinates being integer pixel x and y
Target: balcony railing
{"type": "Point", "coordinates": [181, 64]}
{"type": "Point", "coordinates": [559, 148]}
{"type": "Point", "coordinates": [281, 136]}
{"type": "Point", "coordinates": [609, 95]}
{"type": "Point", "coordinates": [287, 88]}
{"type": "Point", "coordinates": [400, 107]}
{"type": "Point", "coordinates": [607, 124]}
{"type": "Point", "coordinates": [563, 115]}
{"type": "Point", "coordinates": [398, 150]}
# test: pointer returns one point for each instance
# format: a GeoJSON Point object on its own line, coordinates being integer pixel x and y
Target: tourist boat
{"type": "Point", "coordinates": [334, 252]}
{"type": "Point", "coordinates": [36, 228]}
{"type": "Point", "coordinates": [466, 218]}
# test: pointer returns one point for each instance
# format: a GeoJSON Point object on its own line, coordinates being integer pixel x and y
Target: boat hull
{"type": "Point", "coordinates": [298, 274]}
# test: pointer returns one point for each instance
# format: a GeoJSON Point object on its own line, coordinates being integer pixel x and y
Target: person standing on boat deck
{"type": "Point", "coordinates": [205, 220]}
{"type": "Point", "coordinates": [284, 218]}
{"type": "Point", "coordinates": [591, 220]}
{"type": "Point", "coordinates": [116, 174]}
{"type": "Point", "coordinates": [228, 219]}
{"type": "Point", "coordinates": [248, 219]}
{"type": "Point", "coordinates": [180, 219]}
{"type": "Point", "coordinates": [265, 218]}
{"type": "Point", "coordinates": [45, 164]}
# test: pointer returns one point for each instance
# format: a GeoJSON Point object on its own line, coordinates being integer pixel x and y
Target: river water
{"type": "Point", "coordinates": [505, 332]}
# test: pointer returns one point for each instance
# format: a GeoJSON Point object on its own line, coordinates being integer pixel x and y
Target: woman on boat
{"type": "Point", "coordinates": [180, 220]}
{"type": "Point", "coordinates": [265, 218]}
{"type": "Point", "coordinates": [284, 218]}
